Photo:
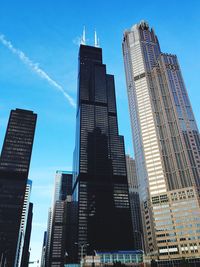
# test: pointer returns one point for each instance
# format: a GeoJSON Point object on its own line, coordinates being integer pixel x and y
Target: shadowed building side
{"type": "Point", "coordinates": [100, 179]}
{"type": "Point", "coordinates": [26, 252]}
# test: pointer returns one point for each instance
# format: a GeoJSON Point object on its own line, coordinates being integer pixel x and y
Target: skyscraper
{"type": "Point", "coordinates": [166, 144]}
{"type": "Point", "coordinates": [134, 203]}
{"type": "Point", "coordinates": [100, 179]}
{"type": "Point", "coordinates": [60, 237]}
{"type": "Point", "coordinates": [14, 167]}
{"type": "Point", "coordinates": [27, 237]}
{"type": "Point", "coordinates": [47, 240]}
{"type": "Point", "coordinates": [24, 219]}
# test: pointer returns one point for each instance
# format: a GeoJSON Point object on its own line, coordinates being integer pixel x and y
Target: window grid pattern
{"type": "Point", "coordinates": [166, 143]}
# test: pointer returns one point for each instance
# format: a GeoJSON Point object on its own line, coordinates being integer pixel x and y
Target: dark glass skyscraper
{"type": "Point", "coordinates": [14, 167]}
{"type": "Point", "coordinates": [100, 179]}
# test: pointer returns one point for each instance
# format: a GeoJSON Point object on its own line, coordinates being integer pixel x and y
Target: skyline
{"type": "Point", "coordinates": [54, 151]}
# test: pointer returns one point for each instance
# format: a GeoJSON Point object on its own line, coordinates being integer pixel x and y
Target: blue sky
{"type": "Point", "coordinates": [47, 32]}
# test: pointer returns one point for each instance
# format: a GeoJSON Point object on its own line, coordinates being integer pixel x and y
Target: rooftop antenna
{"type": "Point", "coordinates": [96, 39]}
{"type": "Point", "coordinates": [83, 40]}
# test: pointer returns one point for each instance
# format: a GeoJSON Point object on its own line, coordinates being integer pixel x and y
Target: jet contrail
{"type": "Point", "coordinates": [34, 66]}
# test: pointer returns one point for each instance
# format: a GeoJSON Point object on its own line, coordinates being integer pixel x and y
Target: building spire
{"type": "Point", "coordinates": [83, 39]}
{"type": "Point", "coordinates": [96, 39]}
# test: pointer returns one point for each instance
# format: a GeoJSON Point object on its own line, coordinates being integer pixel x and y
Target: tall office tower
{"type": "Point", "coordinates": [134, 203]}
{"type": "Point", "coordinates": [100, 179]}
{"type": "Point", "coordinates": [24, 218]}
{"type": "Point", "coordinates": [60, 230]}
{"type": "Point", "coordinates": [166, 143]}
{"type": "Point", "coordinates": [14, 167]}
{"type": "Point", "coordinates": [27, 237]}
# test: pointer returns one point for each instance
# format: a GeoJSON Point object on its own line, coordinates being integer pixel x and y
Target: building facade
{"type": "Point", "coordinates": [24, 220]}
{"type": "Point", "coordinates": [166, 144]}
{"type": "Point", "coordinates": [27, 238]}
{"type": "Point", "coordinates": [60, 238]}
{"type": "Point", "coordinates": [44, 249]}
{"type": "Point", "coordinates": [130, 258]}
{"type": "Point", "coordinates": [14, 167]}
{"type": "Point", "coordinates": [134, 203]}
{"type": "Point", "coordinates": [47, 240]}
{"type": "Point", "coordinates": [100, 180]}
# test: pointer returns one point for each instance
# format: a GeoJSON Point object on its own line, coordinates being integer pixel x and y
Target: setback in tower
{"type": "Point", "coordinates": [100, 179]}
{"type": "Point", "coordinates": [166, 144]}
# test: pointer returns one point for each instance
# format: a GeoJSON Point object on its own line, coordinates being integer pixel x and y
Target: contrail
{"type": "Point", "coordinates": [34, 66]}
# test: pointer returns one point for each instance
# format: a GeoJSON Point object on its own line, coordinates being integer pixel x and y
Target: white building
{"type": "Point", "coordinates": [166, 145]}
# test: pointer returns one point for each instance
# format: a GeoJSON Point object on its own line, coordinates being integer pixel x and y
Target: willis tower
{"type": "Point", "coordinates": [100, 178]}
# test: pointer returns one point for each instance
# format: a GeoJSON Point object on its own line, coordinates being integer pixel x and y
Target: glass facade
{"type": "Point", "coordinates": [14, 166]}
{"type": "Point", "coordinates": [124, 257]}
{"type": "Point", "coordinates": [166, 144]}
{"type": "Point", "coordinates": [100, 180]}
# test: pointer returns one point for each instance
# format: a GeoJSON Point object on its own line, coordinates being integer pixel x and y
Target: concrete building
{"type": "Point", "coordinates": [166, 144]}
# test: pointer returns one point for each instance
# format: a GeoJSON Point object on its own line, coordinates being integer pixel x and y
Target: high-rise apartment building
{"type": "Point", "coordinates": [14, 167]}
{"type": "Point", "coordinates": [100, 179]}
{"type": "Point", "coordinates": [134, 203]}
{"type": "Point", "coordinates": [166, 144]}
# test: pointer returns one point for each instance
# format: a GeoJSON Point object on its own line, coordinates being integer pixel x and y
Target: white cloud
{"type": "Point", "coordinates": [35, 67]}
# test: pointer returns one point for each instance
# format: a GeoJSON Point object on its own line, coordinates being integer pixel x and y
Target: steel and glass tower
{"type": "Point", "coordinates": [166, 144]}
{"type": "Point", "coordinates": [14, 168]}
{"type": "Point", "coordinates": [100, 179]}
